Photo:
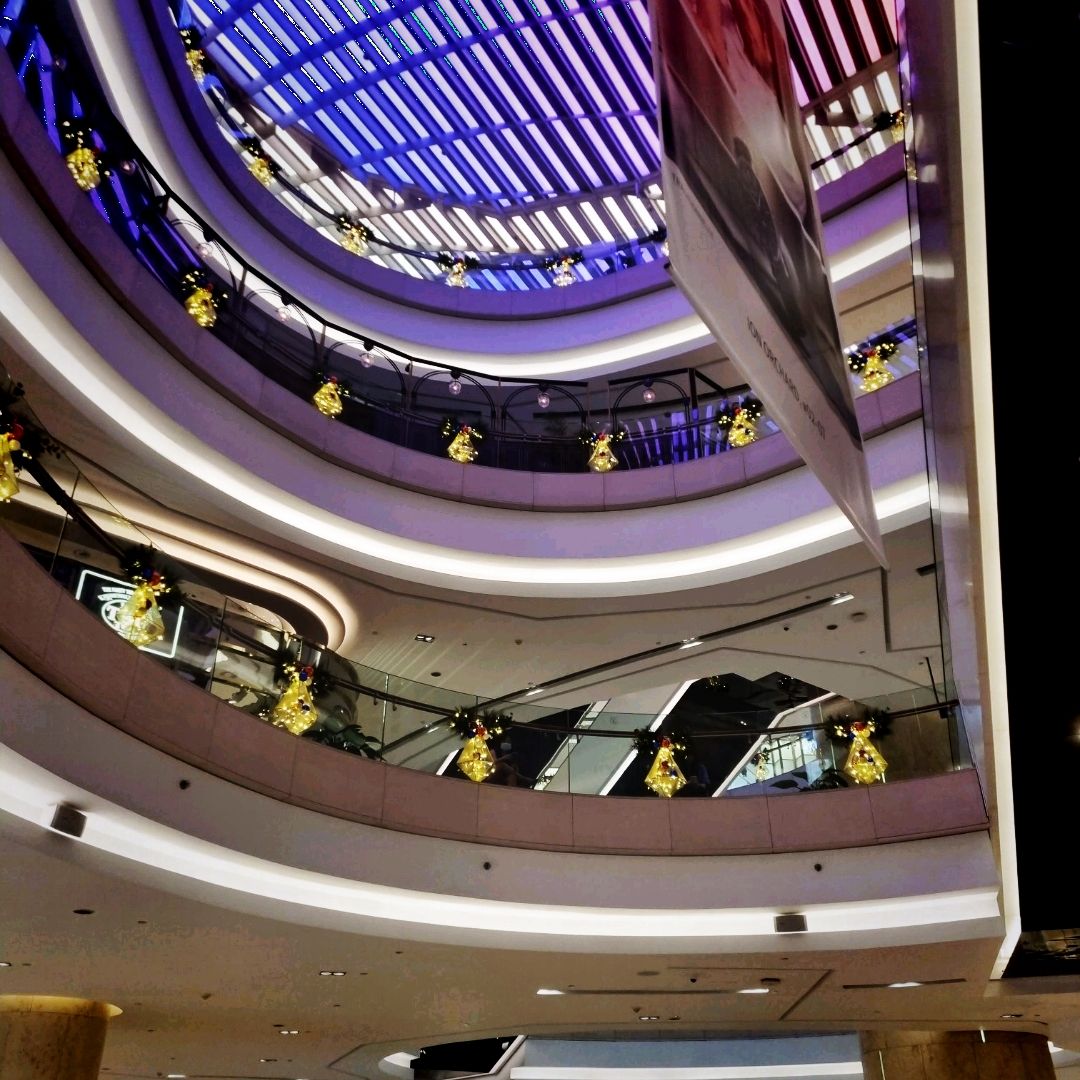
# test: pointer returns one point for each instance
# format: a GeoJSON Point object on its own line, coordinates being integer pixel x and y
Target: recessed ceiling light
{"type": "Point", "coordinates": [754, 990]}
{"type": "Point", "coordinates": [5, 963]}
{"type": "Point", "coordinates": [648, 1017]}
{"type": "Point", "coordinates": [338, 973]}
{"type": "Point", "coordinates": [288, 1031]}
{"type": "Point", "coordinates": [535, 690]}
{"type": "Point", "coordinates": [902, 985]}
{"type": "Point", "coordinates": [1012, 1016]}
{"type": "Point", "coordinates": [545, 992]}
{"type": "Point", "coordinates": [691, 643]}
{"type": "Point", "coordinates": [176, 1076]}
{"type": "Point", "coordinates": [426, 638]}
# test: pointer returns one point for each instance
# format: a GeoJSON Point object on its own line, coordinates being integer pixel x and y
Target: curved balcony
{"type": "Point", "coordinates": [688, 459]}
{"type": "Point", "coordinates": [64, 644]}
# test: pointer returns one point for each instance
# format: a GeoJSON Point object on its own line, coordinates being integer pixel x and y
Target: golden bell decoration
{"type": "Point", "coordinates": [354, 238]}
{"type": "Point", "coordinates": [897, 126]}
{"type": "Point", "coordinates": [9, 442]}
{"type": "Point", "coordinates": [139, 618]}
{"type": "Point", "coordinates": [476, 760]}
{"type": "Point", "coordinates": [564, 272]}
{"type": "Point", "coordinates": [875, 374]}
{"type": "Point", "coordinates": [201, 305]}
{"type": "Point", "coordinates": [865, 764]}
{"type": "Point", "coordinates": [455, 276]}
{"type": "Point", "coordinates": [327, 398]}
{"type": "Point", "coordinates": [602, 459]}
{"type": "Point", "coordinates": [82, 163]}
{"type": "Point", "coordinates": [295, 709]}
{"type": "Point", "coordinates": [195, 59]}
{"type": "Point", "coordinates": [871, 365]}
{"type": "Point", "coordinates": [743, 430]}
{"type": "Point", "coordinates": [462, 447]}
{"type": "Point", "coordinates": [665, 777]}
{"type": "Point", "coordinates": [261, 169]}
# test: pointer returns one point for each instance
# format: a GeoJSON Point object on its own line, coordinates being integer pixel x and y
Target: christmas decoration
{"type": "Point", "coordinates": [457, 267]}
{"type": "Point", "coordinates": [740, 423]}
{"type": "Point", "coordinates": [193, 54]}
{"type": "Point", "coordinates": [81, 157]}
{"type": "Point", "coordinates": [462, 447]}
{"type": "Point", "coordinates": [665, 777]}
{"type": "Point", "coordinates": [295, 709]}
{"type": "Point", "coordinates": [261, 167]}
{"type": "Point", "coordinates": [602, 458]}
{"type": "Point", "coordinates": [897, 121]}
{"type": "Point", "coordinates": [139, 618]}
{"type": "Point", "coordinates": [354, 236]}
{"type": "Point", "coordinates": [476, 760]}
{"type": "Point", "coordinates": [760, 761]}
{"type": "Point", "coordinates": [327, 398]}
{"type": "Point", "coordinates": [200, 301]}
{"type": "Point", "coordinates": [9, 444]}
{"type": "Point", "coordinates": [865, 764]}
{"type": "Point", "coordinates": [563, 266]}
{"type": "Point", "coordinates": [871, 363]}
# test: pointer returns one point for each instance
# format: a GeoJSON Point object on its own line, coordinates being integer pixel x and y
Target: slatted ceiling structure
{"type": "Point", "coordinates": [501, 129]}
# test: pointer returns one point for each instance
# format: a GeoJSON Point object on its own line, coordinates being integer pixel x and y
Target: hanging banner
{"type": "Point", "coordinates": [744, 233]}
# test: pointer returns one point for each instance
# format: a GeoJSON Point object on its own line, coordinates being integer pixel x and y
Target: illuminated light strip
{"type": "Point", "coordinates": [32, 794]}
{"type": "Point", "coordinates": [872, 250]}
{"type": "Point", "coordinates": [827, 1070]}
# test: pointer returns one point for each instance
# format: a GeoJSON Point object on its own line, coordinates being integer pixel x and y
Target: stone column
{"type": "Point", "coordinates": [955, 1055]}
{"type": "Point", "coordinates": [52, 1038]}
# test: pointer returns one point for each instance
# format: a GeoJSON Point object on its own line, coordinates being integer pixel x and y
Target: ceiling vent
{"type": "Point", "coordinates": [790, 924]}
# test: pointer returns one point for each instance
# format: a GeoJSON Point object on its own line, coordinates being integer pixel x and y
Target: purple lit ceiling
{"type": "Point", "coordinates": [501, 129]}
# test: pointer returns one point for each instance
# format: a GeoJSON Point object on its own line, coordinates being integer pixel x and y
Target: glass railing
{"type": "Point", "coordinates": [663, 418]}
{"type": "Point", "coordinates": [222, 638]}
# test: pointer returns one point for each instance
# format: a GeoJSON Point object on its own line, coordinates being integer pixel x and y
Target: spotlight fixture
{"type": "Point", "coordinates": [288, 1031]}
{"type": "Point", "coordinates": [204, 250]}
{"type": "Point", "coordinates": [367, 358]}
{"type": "Point", "coordinates": [333, 973]}
{"type": "Point", "coordinates": [648, 395]}
{"type": "Point", "coordinates": [455, 384]}
{"type": "Point", "coordinates": [426, 638]}
{"type": "Point", "coordinates": [283, 312]}
{"type": "Point", "coordinates": [648, 1017]}
{"type": "Point", "coordinates": [127, 167]}
{"type": "Point", "coordinates": [543, 399]}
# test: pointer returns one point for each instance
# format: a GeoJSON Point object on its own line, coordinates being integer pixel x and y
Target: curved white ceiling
{"type": "Point", "coordinates": [85, 376]}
